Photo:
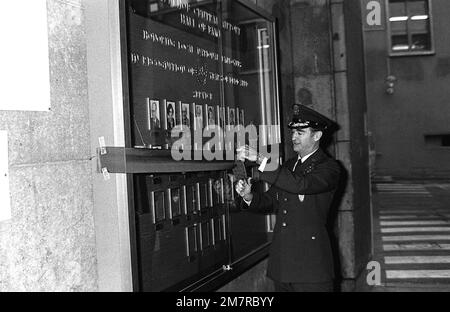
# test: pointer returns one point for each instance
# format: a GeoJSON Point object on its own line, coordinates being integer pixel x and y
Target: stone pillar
{"type": "Point", "coordinates": [354, 215]}
{"type": "Point", "coordinates": [107, 121]}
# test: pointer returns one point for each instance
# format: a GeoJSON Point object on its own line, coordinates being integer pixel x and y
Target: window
{"type": "Point", "coordinates": [437, 140]}
{"type": "Point", "coordinates": [410, 27]}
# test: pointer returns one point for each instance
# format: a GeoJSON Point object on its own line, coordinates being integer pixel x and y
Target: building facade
{"type": "Point", "coordinates": [70, 228]}
{"type": "Point", "coordinates": [407, 54]}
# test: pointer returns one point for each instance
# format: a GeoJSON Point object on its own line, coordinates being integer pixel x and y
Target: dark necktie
{"type": "Point", "coordinates": [299, 162]}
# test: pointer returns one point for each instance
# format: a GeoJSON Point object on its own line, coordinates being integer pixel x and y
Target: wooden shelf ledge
{"type": "Point", "coordinates": [134, 160]}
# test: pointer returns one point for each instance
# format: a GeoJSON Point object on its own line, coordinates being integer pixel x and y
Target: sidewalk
{"type": "Point", "coordinates": [412, 235]}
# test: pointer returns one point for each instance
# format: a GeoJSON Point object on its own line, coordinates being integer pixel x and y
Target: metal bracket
{"type": "Point", "coordinates": [227, 268]}
{"type": "Point", "coordinates": [105, 173]}
{"type": "Point", "coordinates": [102, 146]}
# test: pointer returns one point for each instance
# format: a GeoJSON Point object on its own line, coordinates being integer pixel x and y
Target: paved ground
{"type": "Point", "coordinates": [412, 235]}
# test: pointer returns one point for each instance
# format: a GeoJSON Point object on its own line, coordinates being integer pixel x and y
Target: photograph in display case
{"type": "Point", "coordinates": [231, 116]}
{"type": "Point", "coordinates": [175, 202]}
{"type": "Point", "coordinates": [219, 117]}
{"type": "Point", "coordinates": [210, 116]}
{"type": "Point", "coordinates": [170, 115]}
{"type": "Point", "coordinates": [241, 117]}
{"type": "Point", "coordinates": [198, 116]}
{"type": "Point", "coordinates": [157, 203]}
{"type": "Point", "coordinates": [185, 115]}
{"type": "Point", "coordinates": [153, 114]}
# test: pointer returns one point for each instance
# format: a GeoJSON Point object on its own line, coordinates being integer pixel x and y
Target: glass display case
{"type": "Point", "coordinates": [201, 80]}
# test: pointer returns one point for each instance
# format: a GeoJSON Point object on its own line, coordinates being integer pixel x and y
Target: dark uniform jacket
{"type": "Point", "coordinates": [300, 251]}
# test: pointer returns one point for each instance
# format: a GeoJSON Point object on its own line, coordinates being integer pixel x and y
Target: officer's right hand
{"type": "Point", "coordinates": [244, 189]}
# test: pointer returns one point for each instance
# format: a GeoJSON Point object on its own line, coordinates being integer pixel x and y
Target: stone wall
{"type": "Point", "coordinates": [49, 244]}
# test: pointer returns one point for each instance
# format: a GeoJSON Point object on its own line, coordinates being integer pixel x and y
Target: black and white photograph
{"type": "Point", "coordinates": [346, 149]}
{"type": "Point", "coordinates": [185, 115]}
{"type": "Point", "coordinates": [242, 117]}
{"type": "Point", "coordinates": [198, 116]}
{"type": "Point", "coordinates": [231, 120]}
{"type": "Point", "coordinates": [153, 113]}
{"type": "Point", "coordinates": [170, 115]}
{"type": "Point", "coordinates": [210, 115]}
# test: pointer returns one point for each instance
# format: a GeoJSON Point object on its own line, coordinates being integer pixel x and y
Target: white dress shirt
{"type": "Point", "coordinates": [263, 166]}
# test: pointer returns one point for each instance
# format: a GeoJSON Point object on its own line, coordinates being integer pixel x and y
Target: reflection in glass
{"type": "Point", "coordinates": [185, 115]}
{"type": "Point", "coordinates": [170, 111]}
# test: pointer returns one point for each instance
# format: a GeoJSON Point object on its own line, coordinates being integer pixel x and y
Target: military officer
{"type": "Point", "coordinates": [300, 257]}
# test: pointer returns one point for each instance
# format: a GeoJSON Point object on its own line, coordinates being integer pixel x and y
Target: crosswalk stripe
{"type": "Point", "coordinates": [416, 247]}
{"type": "Point", "coordinates": [392, 274]}
{"type": "Point", "coordinates": [401, 188]}
{"type": "Point", "coordinates": [409, 211]}
{"type": "Point", "coordinates": [399, 185]}
{"type": "Point", "coordinates": [425, 194]}
{"type": "Point", "coordinates": [418, 222]}
{"type": "Point", "coordinates": [415, 229]}
{"type": "Point", "coordinates": [416, 259]}
{"type": "Point", "coordinates": [405, 217]}
{"type": "Point", "coordinates": [406, 190]}
{"type": "Point", "coordinates": [415, 232]}
{"type": "Point", "coordinates": [415, 238]}
{"type": "Point", "coordinates": [406, 195]}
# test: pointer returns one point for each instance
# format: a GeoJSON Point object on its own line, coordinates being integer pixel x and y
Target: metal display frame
{"type": "Point", "coordinates": [132, 161]}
